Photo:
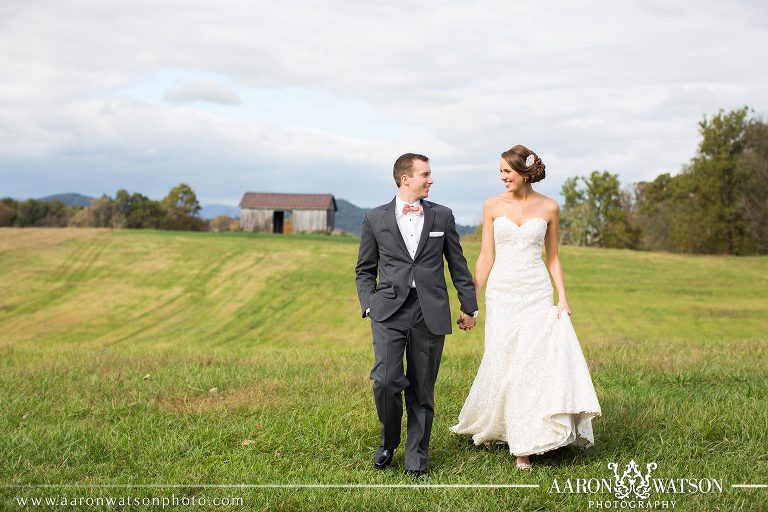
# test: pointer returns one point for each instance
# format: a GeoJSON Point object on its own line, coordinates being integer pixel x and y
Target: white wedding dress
{"type": "Point", "coordinates": [533, 390]}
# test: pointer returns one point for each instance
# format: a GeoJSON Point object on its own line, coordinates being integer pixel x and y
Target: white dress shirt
{"type": "Point", "coordinates": [410, 226]}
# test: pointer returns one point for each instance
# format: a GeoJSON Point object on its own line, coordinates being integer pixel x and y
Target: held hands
{"type": "Point", "coordinates": [466, 322]}
{"type": "Point", "coordinates": [563, 306]}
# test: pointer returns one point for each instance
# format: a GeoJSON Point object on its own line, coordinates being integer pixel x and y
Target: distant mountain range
{"type": "Point", "coordinates": [349, 217]}
{"type": "Point", "coordinates": [70, 199]}
{"type": "Point", "coordinates": [206, 212]}
{"type": "Point", "coordinates": [211, 211]}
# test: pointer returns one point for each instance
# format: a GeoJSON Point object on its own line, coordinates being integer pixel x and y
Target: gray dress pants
{"type": "Point", "coordinates": [405, 333]}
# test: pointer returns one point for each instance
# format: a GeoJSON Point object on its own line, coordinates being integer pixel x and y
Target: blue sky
{"type": "Point", "coordinates": [311, 96]}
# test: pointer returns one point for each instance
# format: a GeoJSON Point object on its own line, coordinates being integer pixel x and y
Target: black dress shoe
{"type": "Point", "coordinates": [383, 458]}
{"type": "Point", "coordinates": [417, 473]}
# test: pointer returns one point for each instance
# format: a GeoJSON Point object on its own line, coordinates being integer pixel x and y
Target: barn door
{"type": "Point", "coordinates": [277, 222]}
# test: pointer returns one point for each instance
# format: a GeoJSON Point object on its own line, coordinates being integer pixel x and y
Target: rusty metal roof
{"type": "Point", "coordinates": [275, 201]}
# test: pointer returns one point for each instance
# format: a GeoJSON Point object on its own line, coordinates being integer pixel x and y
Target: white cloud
{"type": "Point", "coordinates": [325, 95]}
{"type": "Point", "coordinates": [207, 91]}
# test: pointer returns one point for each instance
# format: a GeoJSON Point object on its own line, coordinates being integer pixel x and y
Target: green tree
{"type": "Point", "coordinates": [753, 187]}
{"type": "Point", "coordinates": [145, 213]}
{"type": "Point", "coordinates": [182, 207]}
{"type": "Point", "coordinates": [7, 211]}
{"type": "Point", "coordinates": [717, 203]}
{"type": "Point", "coordinates": [662, 208]}
{"type": "Point", "coordinates": [121, 208]}
{"type": "Point", "coordinates": [716, 174]}
{"type": "Point", "coordinates": [103, 210]}
{"type": "Point", "coordinates": [57, 215]}
{"type": "Point", "coordinates": [577, 217]}
{"type": "Point", "coordinates": [595, 212]}
{"type": "Point", "coordinates": [30, 213]}
{"type": "Point", "coordinates": [137, 211]}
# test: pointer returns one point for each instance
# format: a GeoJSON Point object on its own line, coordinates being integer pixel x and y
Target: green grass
{"type": "Point", "coordinates": [111, 342]}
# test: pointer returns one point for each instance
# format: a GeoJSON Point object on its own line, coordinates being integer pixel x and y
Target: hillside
{"type": "Point", "coordinates": [146, 356]}
{"type": "Point", "coordinates": [70, 199]}
{"type": "Point", "coordinates": [349, 217]}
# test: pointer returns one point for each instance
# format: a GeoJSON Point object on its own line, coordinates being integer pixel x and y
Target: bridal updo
{"type": "Point", "coordinates": [517, 158]}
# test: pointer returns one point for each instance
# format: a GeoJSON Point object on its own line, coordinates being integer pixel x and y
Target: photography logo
{"type": "Point", "coordinates": [635, 488]}
{"type": "Point", "coordinates": [632, 483]}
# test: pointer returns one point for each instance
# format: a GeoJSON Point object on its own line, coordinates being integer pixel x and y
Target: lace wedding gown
{"type": "Point", "coordinates": [532, 390]}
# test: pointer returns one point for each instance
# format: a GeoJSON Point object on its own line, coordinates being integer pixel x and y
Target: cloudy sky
{"type": "Point", "coordinates": [322, 96]}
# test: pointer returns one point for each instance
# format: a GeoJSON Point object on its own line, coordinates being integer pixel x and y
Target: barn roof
{"type": "Point", "coordinates": [275, 201]}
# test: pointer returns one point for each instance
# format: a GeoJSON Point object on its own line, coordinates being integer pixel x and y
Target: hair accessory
{"type": "Point", "coordinates": [529, 161]}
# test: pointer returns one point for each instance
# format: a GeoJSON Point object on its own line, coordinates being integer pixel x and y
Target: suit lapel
{"type": "Point", "coordinates": [391, 221]}
{"type": "Point", "coordinates": [429, 219]}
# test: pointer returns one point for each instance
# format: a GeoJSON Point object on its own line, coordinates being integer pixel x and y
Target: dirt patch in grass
{"type": "Point", "coordinates": [264, 393]}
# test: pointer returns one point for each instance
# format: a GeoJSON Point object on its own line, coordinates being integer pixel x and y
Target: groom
{"type": "Point", "coordinates": [404, 241]}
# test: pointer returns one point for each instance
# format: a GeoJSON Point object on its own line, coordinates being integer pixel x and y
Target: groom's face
{"type": "Point", "coordinates": [419, 184]}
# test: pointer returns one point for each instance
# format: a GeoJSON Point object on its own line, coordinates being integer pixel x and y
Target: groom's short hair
{"type": "Point", "coordinates": [404, 165]}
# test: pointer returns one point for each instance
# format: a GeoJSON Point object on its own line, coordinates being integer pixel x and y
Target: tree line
{"type": "Point", "coordinates": [176, 211]}
{"type": "Point", "coordinates": [717, 204]}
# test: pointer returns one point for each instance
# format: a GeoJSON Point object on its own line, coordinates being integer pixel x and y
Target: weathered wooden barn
{"type": "Point", "coordinates": [264, 211]}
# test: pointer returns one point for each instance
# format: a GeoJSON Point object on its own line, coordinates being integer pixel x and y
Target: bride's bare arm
{"type": "Point", "coordinates": [553, 259]}
{"type": "Point", "coordinates": [485, 259]}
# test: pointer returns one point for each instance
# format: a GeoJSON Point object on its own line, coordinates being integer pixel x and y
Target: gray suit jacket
{"type": "Point", "coordinates": [383, 251]}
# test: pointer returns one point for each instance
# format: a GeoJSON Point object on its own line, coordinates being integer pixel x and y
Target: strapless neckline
{"type": "Point", "coordinates": [526, 221]}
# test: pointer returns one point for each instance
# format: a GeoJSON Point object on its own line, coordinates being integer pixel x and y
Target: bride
{"type": "Point", "coordinates": [533, 390]}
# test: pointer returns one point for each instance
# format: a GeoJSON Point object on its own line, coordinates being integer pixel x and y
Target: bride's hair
{"type": "Point", "coordinates": [516, 158]}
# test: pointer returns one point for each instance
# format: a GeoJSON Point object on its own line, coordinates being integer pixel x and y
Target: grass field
{"type": "Point", "coordinates": [140, 357]}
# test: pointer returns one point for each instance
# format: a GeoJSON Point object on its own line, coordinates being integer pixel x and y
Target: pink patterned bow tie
{"type": "Point", "coordinates": [415, 209]}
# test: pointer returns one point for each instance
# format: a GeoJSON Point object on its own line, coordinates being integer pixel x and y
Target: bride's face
{"type": "Point", "coordinates": [512, 181]}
